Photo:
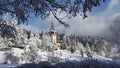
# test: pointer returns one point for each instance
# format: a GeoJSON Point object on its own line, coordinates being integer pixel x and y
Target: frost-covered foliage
{"type": "Point", "coordinates": [26, 43]}
{"type": "Point", "coordinates": [92, 45]}
{"type": "Point", "coordinates": [19, 46]}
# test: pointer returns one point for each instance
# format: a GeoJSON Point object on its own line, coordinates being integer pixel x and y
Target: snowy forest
{"type": "Point", "coordinates": [80, 36]}
{"type": "Point", "coordinates": [19, 46]}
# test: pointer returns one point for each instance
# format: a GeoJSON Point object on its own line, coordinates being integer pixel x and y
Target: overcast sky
{"type": "Point", "coordinates": [96, 24]}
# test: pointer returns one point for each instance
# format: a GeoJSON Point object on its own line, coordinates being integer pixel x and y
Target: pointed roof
{"type": "Point", "coordinates": [52, 26]}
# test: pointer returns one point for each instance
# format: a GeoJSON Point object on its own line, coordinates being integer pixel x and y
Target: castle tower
{"type": "Point", "coordinates": [53, 34]}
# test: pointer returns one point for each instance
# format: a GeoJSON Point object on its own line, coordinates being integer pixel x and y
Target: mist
{"type": "Point", "coordinates": [94, 25]}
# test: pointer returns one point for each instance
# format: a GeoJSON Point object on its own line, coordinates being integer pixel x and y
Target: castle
{"type": "Point", "coordinates": [53, 34]}
{"type": "Point", "coordinates": [56, 39]}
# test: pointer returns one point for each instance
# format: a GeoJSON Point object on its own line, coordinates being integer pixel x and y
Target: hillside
{"type": "Point", "coordinates": [18, 46]}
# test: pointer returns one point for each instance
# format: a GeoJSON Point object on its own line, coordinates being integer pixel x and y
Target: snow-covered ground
{"type": "Point", "coordinates": [15, 56]}
{"type": "Point", "coordinates": [57, 59]}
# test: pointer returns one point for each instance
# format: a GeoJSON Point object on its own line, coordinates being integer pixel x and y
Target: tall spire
{"type": "Point", "coordinates": [52, 25]}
